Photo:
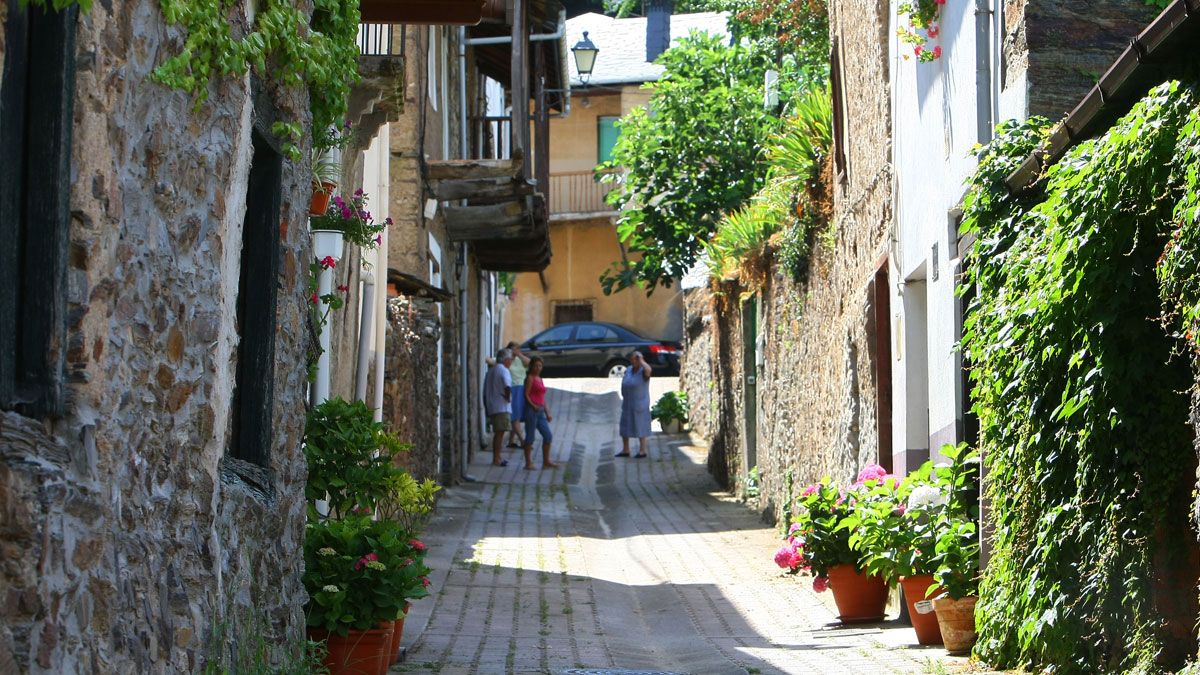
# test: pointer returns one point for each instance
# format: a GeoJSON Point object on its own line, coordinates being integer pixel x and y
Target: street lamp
{"type": "Point", "coordinates": [585, 57]}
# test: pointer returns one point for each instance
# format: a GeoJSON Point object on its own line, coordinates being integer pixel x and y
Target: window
{"type": "Point", "coordinates": [555, 336]}
{"type": "Point", "coordinates": [36, 108]}
{"type": "Point", "coordinates": [253, 394]}
{"type": "Point", "coordinates": [596, 333]}
{"type": "Point", "coordinates": [607, 134]}
{"type": "Point", "coordinates": [565, 312]}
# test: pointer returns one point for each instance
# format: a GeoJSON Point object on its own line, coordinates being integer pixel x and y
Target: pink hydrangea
{"type": "Point", "coordinates": [811, 490]}
{"type": "Point", "coordinates": [783, 557]}
{"type": "Point", "coordinates": [871, 472]}
{"type": "Point", "coordinates": [820, 584]}
{"type": "Point", "coordinates": [795, 527]}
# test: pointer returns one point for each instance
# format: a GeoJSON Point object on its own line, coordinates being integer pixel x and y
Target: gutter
{"type": "Point", "coordinates": [1145, 62]}
{"type": "Point", "coordinates": [535, 37]}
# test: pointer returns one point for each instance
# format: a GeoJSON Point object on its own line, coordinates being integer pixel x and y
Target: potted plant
{"type": "Point", "coordinates": [354, 595]}
{"type": "Point", "coordinates": [892, 530]}
{"type": "Point", "coordinates": [957, 552]}
{"type": "Point", "coordinates": [351, 219]}
{"type": "Point", "coordinates": [817, 542]}
{"type": "Point", "coordinates": [350, 459]}
{"type": "Point", "coordinates": [326, 169]}
{"type": "Point", "coordinates": [671, 411]}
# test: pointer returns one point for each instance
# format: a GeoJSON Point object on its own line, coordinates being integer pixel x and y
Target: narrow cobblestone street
{"type": "Point", "coordinates": [624, 564]}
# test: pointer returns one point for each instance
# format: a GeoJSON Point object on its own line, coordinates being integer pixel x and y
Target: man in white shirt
{"type": "Point", "coordinates": [497, 402]}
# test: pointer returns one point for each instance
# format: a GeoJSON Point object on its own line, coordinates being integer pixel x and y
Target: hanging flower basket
{"type": "Point", "coordinates": [327, 244]}
{"type": "Point", "coordinates": [321, 194]}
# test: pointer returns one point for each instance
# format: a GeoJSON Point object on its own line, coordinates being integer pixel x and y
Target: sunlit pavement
{"type": "Point", "coordinates": [624, 564]}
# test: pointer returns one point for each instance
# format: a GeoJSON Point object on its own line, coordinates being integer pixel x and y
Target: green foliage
{"type": "Point", "coordinates": [243, 644]}
{"type": "Point", "coordinates": [359, 572]}
{"type": "Point", "coordinates": [672, 405]}
{"type": "Point", "coordinates": [59, 5]}
{"type": "Point", "coordinates": [1082, 413]}
{"type": "Point", "coordinates": [918, 526]}
{"type": "Point", "coordinates": [789, 200]}
{"type": "Point", "coordinates": [817, 516]}
{"type": "Point", "coordinates": [349, 458]}
{"type": "Point", "coordinates": [283, 44]}
{"type": "Point", "coordinates": [697, 156]}
{"type": "Point", "coordinates": [793, 29]}
{"type": "Point", "coordinates": [352, 219]}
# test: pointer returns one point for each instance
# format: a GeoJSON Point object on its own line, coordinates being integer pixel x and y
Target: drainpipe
{"type": "Point", "coordinates": [536, 37]}
{"type": "Point", "coordinates": [464, 399]}
{"type": "Point", "coordinates": [365, 330]}
{"type": "Point", "coordinates": [983, 70]}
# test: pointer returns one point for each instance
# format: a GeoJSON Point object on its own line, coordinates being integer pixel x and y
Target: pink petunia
{"type": "Point", "coordinates": [918, 49]}
{"type": "Point", "coordinates": [313, 299]}
{"type": "Point", "coordinates": [425, 581]}
{"type": "Point", "coordinates": [934, 30]}
{"type": "Point", "coordinates": [328, 262]}
{"type": "Point", "coordinates": [820, 584]}
{"type": "Point", "coordinates": [937, 52]}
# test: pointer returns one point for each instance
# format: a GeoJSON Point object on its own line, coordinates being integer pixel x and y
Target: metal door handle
{"type": "Point", "coordinates": [751, 380]}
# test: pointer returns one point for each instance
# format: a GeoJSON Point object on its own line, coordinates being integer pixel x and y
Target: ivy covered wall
{"type": "Point", "coordinates": [1082, 394]}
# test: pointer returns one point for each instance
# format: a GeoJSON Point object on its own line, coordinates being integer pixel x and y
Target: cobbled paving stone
{"type": "Point", "coordinates": [624, 566]}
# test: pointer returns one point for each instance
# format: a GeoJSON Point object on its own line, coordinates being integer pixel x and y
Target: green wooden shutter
{"type": "Point", "coordinates": [607, 134]}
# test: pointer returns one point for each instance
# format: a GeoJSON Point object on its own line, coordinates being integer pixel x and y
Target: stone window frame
{"type": "Point", "coordinates": [37, 87]}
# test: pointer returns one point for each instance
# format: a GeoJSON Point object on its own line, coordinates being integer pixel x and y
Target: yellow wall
{"type": "Point", "coordinates": [584, 248]}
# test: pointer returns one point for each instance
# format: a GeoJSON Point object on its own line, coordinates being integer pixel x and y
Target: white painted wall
{"type": "Point", "coordinates": [935, 128]}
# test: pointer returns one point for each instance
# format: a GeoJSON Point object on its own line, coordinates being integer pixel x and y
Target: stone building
{"type": "Point", "coordinates": [785, 381]}
{"type": "Point", "coordinates": [152, 350]}
{"type": "Point", "coordinates": [583, 227]}
{"type": "Point", "coordinates": [463, 198]}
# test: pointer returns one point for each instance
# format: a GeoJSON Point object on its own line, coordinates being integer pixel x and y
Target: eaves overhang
{"type": "Point", "coordinates": [1164, 48]}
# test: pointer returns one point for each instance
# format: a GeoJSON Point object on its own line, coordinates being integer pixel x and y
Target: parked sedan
{"type": "Point", "coordinates": [598, 348]}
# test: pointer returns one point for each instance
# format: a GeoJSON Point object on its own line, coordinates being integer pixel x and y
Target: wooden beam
{"type": "Point", "coordinates": [482, 190]}
{"type": "Point", "coordinates": [508, 213]}
{"type": "Point", "coordinates": [520, 79]}
{"type": "Point", "coordinates": [431, 12]}
{"type": "Point", "coordinates": [474, 169]}
{"type": "Point", "coordinates": [489, 232]}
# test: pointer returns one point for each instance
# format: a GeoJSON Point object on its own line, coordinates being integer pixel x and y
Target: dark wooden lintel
{"type": "Point", "coordinates": [468, 169]}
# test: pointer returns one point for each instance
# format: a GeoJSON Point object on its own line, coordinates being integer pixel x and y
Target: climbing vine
{"type": "Point", "coordinates": [1081, 406]}
{"type": "Point", "coordinates": [321, 53]}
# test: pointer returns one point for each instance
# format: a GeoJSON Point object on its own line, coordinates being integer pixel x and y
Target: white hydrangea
{"type": "Point", "coordinates": [924, 496]}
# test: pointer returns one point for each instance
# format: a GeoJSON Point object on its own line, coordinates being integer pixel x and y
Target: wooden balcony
{"type": "Point", "coordinates": [578, 193]}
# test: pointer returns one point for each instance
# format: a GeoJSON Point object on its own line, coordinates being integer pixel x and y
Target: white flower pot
{"type": "Point", "coordinates": [671, 427]}
{"type": "Point", "coordinates": [327, 243]}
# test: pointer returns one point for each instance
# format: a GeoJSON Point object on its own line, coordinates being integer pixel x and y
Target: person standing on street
{"type": "Point", "coordinates": [497, 402]}
{"type": "Point", "coordinates": [635, 405]}
{"type": "Point", "coordinates": [516, 437]}
{"type": "Point", "coordinates": [537, 416]}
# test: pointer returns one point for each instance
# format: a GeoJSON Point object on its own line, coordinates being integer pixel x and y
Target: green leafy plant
{"type": "Point", "coordinates": [320, 52]}
{"type": "Point", "coordinates": [695, 157]}
{"type": "Point", "coordinates": [915, 526]}
{"type": "Point", "coordinates": [671, 406]}
{"type": "Point", "coordinates": [923, 17]}
{"type": "Point", "coordinates": [359, 572]}
{"type": "Point", "coordinates": [353, 220]}
{"type": "Point", "coordinates": [243, 642]}
{"type": "Point", "coordinates": [1082, 409]}
{"type": "Point", "coordinates": [350, 459]}
{"type": "Point", "coordinates": [318, 315]}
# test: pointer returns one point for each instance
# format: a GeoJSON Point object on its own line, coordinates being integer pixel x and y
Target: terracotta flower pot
{"type": "Point", "coordinates": [397, 634]}
{"type": "Point", "coordinates": [319, 203]}
{"type": "Point", "coordinates": [956, 619]}
{"type": "Point", "coordinates": [920, 609]}
{"type": "Point", "coordinates": [859, 598]}
{"type": "Point", "coordinates": [360, 652]}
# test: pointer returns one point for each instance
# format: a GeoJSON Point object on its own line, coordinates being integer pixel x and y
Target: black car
{"type": "Point", "coordinates": [598, 348]}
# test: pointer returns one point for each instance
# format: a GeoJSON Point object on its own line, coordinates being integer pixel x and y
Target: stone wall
{"type": "Point", "coordinates": [410, 380]}
{"type": "Point", "coordinates": [127, 535]}
{"type": "Point", "coordinates": [816, 403]}
{"type": "Point", "coordinates": [1064, 46]}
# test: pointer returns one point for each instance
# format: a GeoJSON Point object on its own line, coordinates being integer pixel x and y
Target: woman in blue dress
{"type": "Point", "coordinates": [635, 405]}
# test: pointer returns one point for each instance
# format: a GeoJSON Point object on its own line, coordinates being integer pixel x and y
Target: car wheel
{"type": "Point", "coordinates": [616, 368]}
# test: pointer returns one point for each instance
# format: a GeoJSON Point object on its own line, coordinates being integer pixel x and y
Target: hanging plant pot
{"type": "Point", "coordinates": [956, 621]}
{"type": "Point", "coordinates": [322, 192]}
{"type": "Point", "coordinates": [359, 652]}
{"type": "Point", "coordinates": [859, 598]}
{"type": "Point", "coordinates": [327, 243]}
{"type": "Point", "coordinates": [920, 609]}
